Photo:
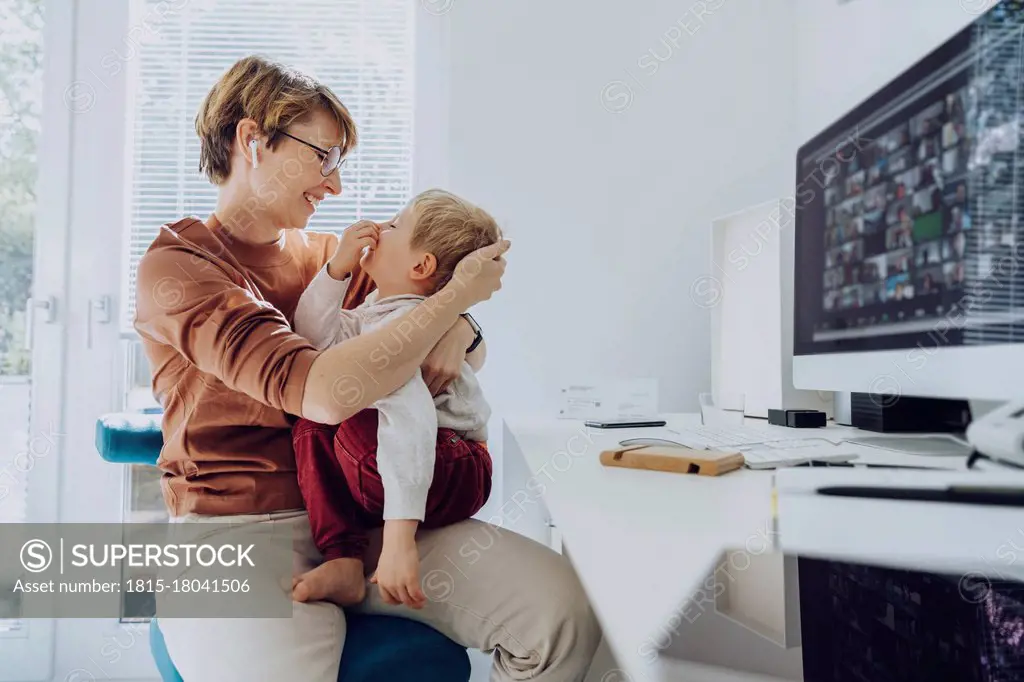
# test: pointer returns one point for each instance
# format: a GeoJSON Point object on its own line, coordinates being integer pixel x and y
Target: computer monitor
{"type": "Point", "coordinates": [909, 249]}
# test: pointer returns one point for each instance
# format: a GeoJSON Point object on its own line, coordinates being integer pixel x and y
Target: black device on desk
{"type": "Point", "coordinates": [623, 423]}
{"type": "Point", "coordinates": [797, 419]}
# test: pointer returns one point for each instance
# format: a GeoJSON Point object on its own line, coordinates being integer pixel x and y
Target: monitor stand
{"type": "Point", "coordinates": [885, 413]}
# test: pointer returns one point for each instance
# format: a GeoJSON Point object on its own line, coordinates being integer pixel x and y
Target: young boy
{"type": "Point", "coordinates": [411, 458]}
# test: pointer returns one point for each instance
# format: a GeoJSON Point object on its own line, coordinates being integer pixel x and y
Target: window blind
{"type": "Point", "coordinates": [361, 49]}
{"type": "Point", "coordinates": [995, 242]}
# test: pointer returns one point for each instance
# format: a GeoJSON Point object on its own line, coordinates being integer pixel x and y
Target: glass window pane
{"type": "Point", "coordinates": [21, 24]}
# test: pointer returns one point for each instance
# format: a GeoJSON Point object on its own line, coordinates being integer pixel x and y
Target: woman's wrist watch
{"type": "Point", "coordinates": [476, 330]}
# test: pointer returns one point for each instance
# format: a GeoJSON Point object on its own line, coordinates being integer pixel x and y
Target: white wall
{"type": "Point", "coordinates": [607, 192]}
{"type": "Point", "coordinates": [607, 165]}
{"type": "Point", "coordinates": [608, 212]}
{"type": "Point", "coordinates": [847, 52]}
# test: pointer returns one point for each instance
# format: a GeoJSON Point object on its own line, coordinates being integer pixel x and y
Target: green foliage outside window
{"type": "Point", "coordinates": [21, 73]}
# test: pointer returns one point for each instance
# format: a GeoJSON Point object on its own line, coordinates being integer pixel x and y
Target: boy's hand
{"type": "Point", "coordinates": [443, 364]}
{"type": "Point", "coordinates": [350, 247]}
{"type": "Point", "coordinates": [398, 571]}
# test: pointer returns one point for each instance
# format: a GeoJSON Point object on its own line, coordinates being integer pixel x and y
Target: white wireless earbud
{"type": "Point", "coordinates": [253, 145]}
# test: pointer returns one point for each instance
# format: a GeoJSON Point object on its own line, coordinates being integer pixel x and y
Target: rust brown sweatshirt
{"type": "Point", "coordinates": [215, 316]}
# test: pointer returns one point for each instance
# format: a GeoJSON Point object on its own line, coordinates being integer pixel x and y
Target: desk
{"type": "Point", "coordinates": [642, 541]}
{"type": "Point", "coordinates": [949, 538]}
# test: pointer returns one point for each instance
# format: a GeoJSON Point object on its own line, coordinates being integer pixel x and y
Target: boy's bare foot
{"type": "Point", "coordinates": [340, 581]}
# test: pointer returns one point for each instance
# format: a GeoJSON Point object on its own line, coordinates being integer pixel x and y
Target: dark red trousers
{"type": "Point", "coordinates": [344, 494]}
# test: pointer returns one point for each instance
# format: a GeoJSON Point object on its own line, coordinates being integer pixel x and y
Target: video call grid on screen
{"type": "Point", "coordinates": [888, 238]}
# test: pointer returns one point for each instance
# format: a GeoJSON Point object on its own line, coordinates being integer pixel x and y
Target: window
{"type": "Point", "coordinates": [21, 47]}
{"type": "Point", "coordinates": [172, 55]}
{"type": "Point", "coordinates": [21, 24]}
{"type": "Point", "coordinates": [175, 51]}
{"type": "Point", "coordinates": [362, 49]}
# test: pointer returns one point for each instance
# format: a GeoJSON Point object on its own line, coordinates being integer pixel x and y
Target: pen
{"type": "Point", "coordinates": [1004, 497]}
{"type": "Point", "coordinates": [851, 465]}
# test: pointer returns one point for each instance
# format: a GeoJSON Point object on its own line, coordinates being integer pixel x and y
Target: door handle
{"type": "Point", "coordinates": [100, 312]}
{"type": "Point", "coordinates": [48, 305]}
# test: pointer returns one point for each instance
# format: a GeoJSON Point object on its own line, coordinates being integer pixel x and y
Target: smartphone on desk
{"type": "Point", "coordinates": [623, 423]}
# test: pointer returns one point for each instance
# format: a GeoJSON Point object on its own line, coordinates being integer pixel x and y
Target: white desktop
{"type": "Point", "coordinates": [644, 542]}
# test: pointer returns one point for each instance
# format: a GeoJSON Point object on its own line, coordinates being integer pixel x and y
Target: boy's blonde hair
{"type": "Point", "coordinates": [270, 93]}
{"type": "Point", "coordinates": [450, 228]}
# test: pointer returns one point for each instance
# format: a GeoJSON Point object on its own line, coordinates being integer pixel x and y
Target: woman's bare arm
{"type": "Point", "coordinates": [355, 374]}
{"type": "Point", "coordinates": [186, 301]}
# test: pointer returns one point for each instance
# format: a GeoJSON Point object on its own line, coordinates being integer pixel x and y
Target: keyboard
{"type": "Point", "coordinates": [762, 447]}
{"type": "Point", "coordinates": [712, 437]}
{"type": "Point", "coordinates": [775, 457]}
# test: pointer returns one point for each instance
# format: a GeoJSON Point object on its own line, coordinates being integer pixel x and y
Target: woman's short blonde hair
{"type": "Point", "coordinates": [270, 93]}
{"type": "Point", "coordinates": [451, 228]}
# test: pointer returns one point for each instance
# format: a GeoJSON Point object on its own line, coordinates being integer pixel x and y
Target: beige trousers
{"type": "Point", "coordinates": [487, 588]}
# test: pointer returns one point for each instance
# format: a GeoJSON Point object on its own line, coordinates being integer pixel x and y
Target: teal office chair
{"type": "Point", "coordinates": [376, 647]}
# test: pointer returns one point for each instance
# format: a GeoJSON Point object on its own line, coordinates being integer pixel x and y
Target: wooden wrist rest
{"type": "Point", "coordinates": [677, 460]}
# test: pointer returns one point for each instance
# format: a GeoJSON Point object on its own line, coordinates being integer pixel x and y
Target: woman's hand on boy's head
{"type": "Point", "coordinates": [478, 275]}
{"type": "Point", "coordinates": [350, 247]}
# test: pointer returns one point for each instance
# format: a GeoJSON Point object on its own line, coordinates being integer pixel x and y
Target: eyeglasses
{"type": "Point", "coordinates": [330, 159]}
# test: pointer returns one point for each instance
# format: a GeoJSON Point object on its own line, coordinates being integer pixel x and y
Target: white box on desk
{"type": "Point", "coordinates": [752, 256]}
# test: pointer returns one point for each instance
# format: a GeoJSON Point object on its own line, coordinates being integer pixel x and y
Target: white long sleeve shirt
{"type": "Point", "coordinates": [408, 419]}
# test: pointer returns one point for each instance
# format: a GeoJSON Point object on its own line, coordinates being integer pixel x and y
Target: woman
{"type": "Point", "coordinates": [214, 302]}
